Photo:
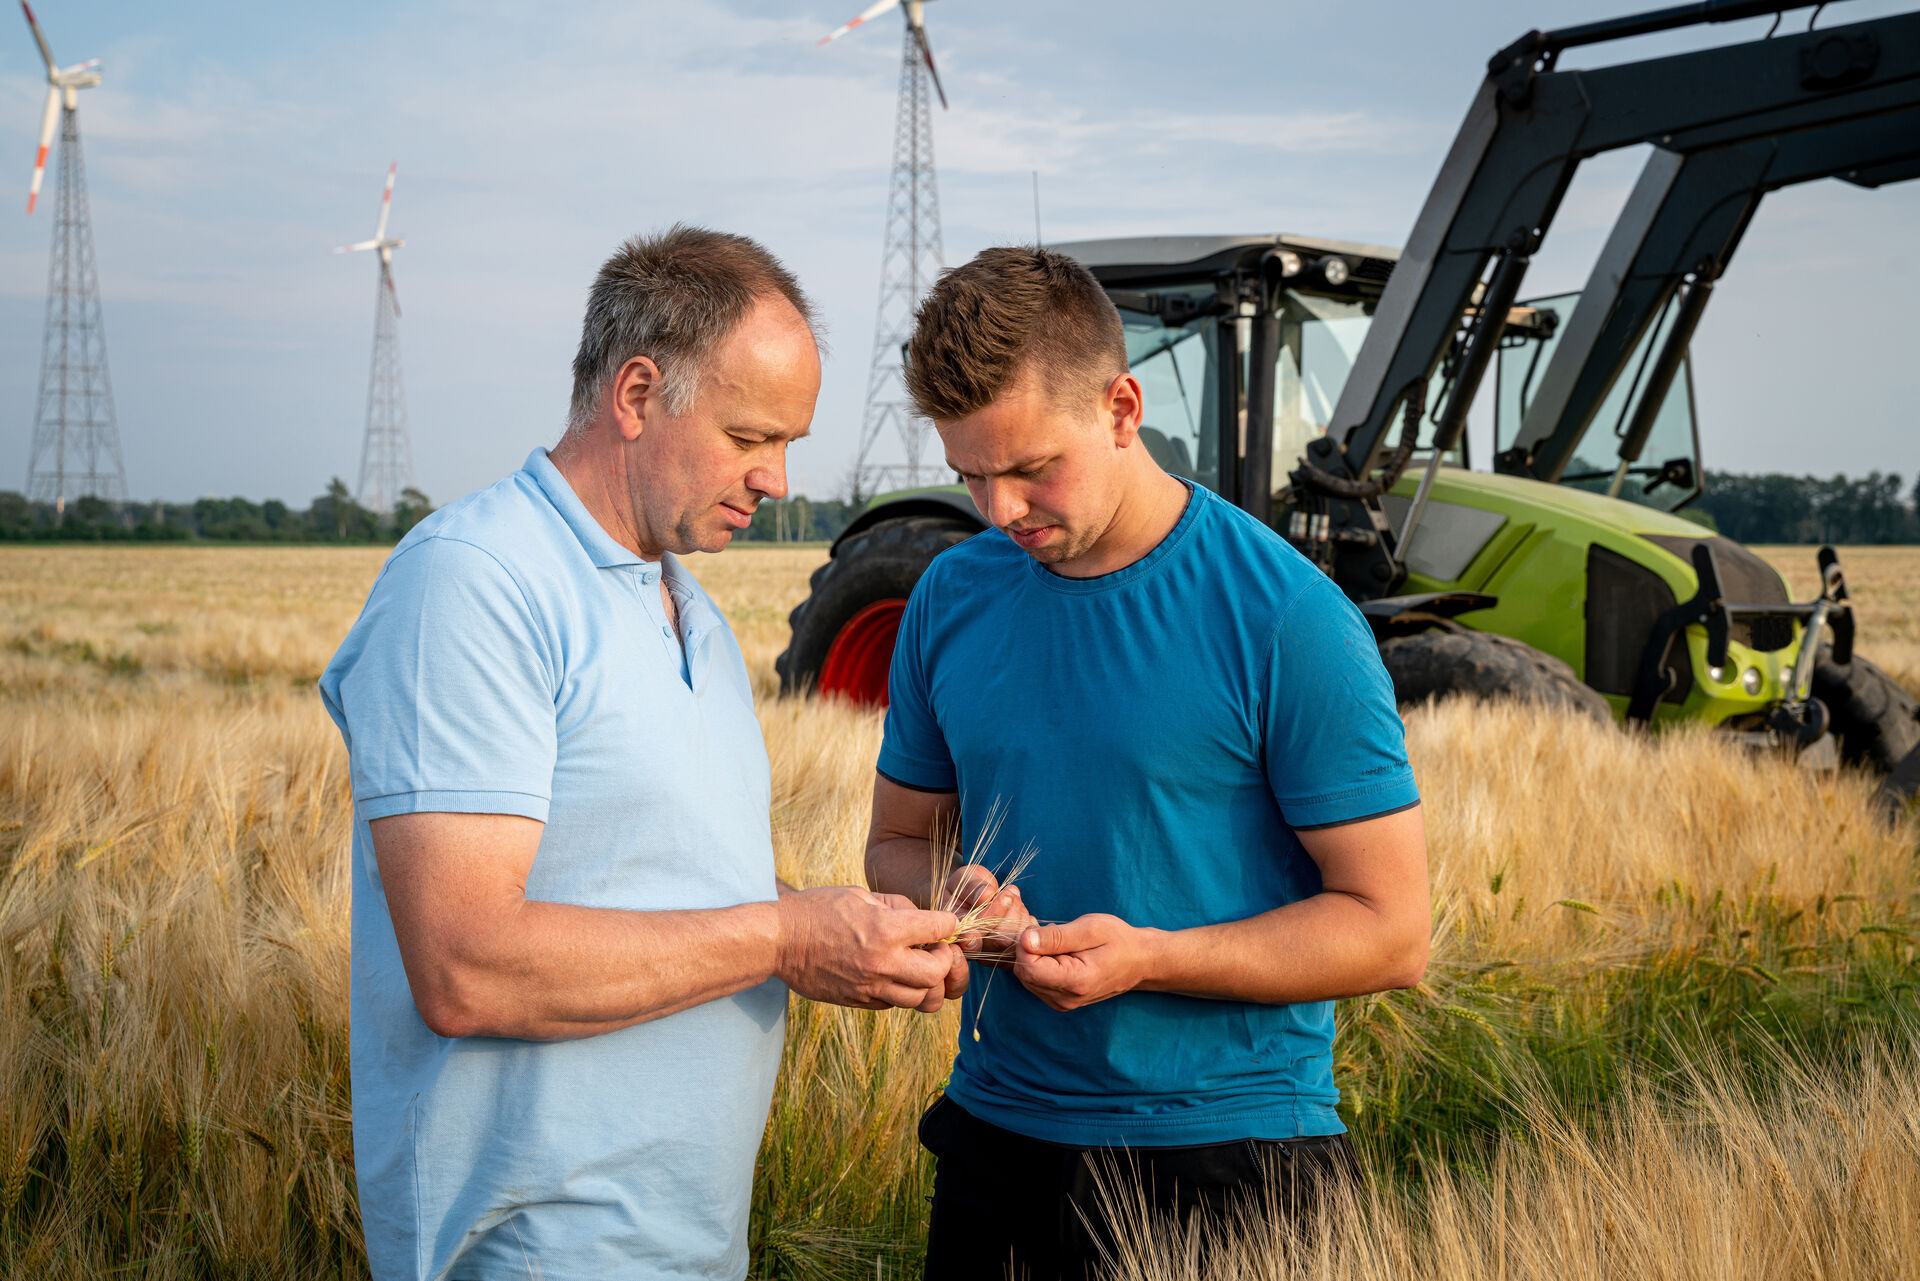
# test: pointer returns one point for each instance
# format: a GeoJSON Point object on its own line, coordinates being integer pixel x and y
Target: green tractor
{"type": "Point", "coordinates": [1324, 386]}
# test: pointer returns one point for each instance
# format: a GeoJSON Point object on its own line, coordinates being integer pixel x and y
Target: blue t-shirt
{"type": "Point", "coordinates": [1158, 733]}
{"type": "Point", "coordinates": [513, 658]}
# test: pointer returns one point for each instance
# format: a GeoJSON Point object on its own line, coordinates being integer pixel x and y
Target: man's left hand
{"type": "Point", "coordinates": [1083, 961]}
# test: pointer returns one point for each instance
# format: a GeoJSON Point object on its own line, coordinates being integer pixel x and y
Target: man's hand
{"type": "Point", "coordinates": [1084, 961]}
{"type": "Point", "coordinates": [991, 941]}
{"type": "Point", "coordinates": [871, 951]}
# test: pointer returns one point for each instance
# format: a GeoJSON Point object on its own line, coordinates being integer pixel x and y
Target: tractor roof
{"type": "Point", "coordinates": [1138, 257]}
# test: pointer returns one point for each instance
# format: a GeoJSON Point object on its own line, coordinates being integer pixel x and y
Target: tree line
{"type": "Point", "coordinates": [1769, 508]}
{"type": "Point", "coordinates": [333, 517]}
{"type": "Point", "coordinates": [1774, 508]}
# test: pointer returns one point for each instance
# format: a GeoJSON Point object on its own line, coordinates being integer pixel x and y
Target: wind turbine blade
{"type": "Point", "coordinates": [364, 244]}
{"type": "Point", "coordinates": [926, 54]}
{"type": "Point", "coordinates": [38, 37]}
{"type": "Point", "coordinates": [46, 141]}
{"type": "Point", "coordinates": [867, 15]}
{"type": "Point", "coordinates": [386, 201]}
{"type": "Point", "coordinates": [386, 274]}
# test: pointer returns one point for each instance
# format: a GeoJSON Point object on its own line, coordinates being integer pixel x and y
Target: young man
{"type": "Point", "coordinates": [1193, 726]}
{"type": "Point", "coordinates": [570, 955]}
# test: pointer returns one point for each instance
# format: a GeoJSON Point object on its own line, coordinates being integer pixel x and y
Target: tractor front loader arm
{"type": "Point", "coordinates": [1676, 234]}
{"type": "Point", "coordinates": [1527, 131]}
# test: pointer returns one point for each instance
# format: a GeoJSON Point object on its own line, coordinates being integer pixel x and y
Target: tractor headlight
{"type": "Point", "coordinates": [1750, 681]}
{"type": "Point", "coordinates": [1718, 675]}
{"type": "Point", "coordinates": [1334, 271]}
{"type": "Point", "coordinates": [1288, 262]}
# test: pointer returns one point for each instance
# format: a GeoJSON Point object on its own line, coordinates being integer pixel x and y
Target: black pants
{"type": "Point", "coordinates": [1005, 1205]}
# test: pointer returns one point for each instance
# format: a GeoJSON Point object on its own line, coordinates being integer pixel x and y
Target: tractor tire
{"type": "Point", "coordinates": [1443, 662]}
{"type": "Point", "coordinates": [843, 631]}
{"type": "Point", "coordinates": [1876, 722]}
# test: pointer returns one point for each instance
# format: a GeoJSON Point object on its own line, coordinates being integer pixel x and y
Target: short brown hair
{"type": "Point", "coordinates": [673, 297]}
{"type": "Point", "coordinates": [1011, 310]}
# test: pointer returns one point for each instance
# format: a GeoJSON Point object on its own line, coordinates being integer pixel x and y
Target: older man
{"type": "Point", "coordinates": [1193, 726]}
{"type": "Point", "coordinates": [570, 952]}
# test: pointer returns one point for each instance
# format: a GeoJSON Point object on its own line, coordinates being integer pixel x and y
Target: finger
{"type": "Point", "coordinates": [914, 927]}
{"type": "Point", "coordinates": [1038, 973]}
{"type": "Point", "coordinates": [958, 975]}
{"type": "Point", "coordinates": [970, 885]}
{"type": "Point", "coordinates": [903, 996]}
{"type": "Point", "coordinates": [898, 902]}
{"type": "Point", "coordinates": [921, 967]}
{"type": "Point", "coordinates": [1053, 940]}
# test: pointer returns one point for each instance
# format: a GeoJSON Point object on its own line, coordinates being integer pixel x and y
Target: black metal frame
{"type": "Point", "coordinates": [1528, 130]}
{"type": "Point", "coordinates": [1709, 608]}
{"type": "Point", "coordinates": [1680, 228]}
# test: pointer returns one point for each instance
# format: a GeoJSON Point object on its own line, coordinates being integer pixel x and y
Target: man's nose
{"type": "Point", "coordinates": [770, 478]}
{"type": "Point", "coordinates": [1004, 505]}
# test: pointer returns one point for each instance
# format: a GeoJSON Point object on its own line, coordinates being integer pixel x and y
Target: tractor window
{"type": "Point", "coordinates": [1175, 367]}
{"type": "Point", "coordinates": [1667, 473]}
{"type": "Point", "coordinates": [1319, 338]}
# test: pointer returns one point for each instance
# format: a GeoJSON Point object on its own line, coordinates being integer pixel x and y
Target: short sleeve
{"type": "Point", "coordinates": [445, 691]}
{"type": "Point", "coordinates": [1336, 749]}
{"type": "Point", "coordinates": [914, 752]}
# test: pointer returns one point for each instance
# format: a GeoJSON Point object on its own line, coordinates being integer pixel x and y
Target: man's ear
{"type": "Point", "coordinates": [1122, 407]}
{"type": "Point", "coordinates": [636, 390]}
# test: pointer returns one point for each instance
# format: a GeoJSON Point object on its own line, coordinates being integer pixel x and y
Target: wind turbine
{"type": "Point", "coordinates": [76, 445]}
{"type": "Point", "coordinates": [910, 261]}
{"type": "Point", "coordinates": [386, 459]}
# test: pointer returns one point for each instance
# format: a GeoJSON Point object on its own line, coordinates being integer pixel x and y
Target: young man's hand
{"type": "Point", "coordinates": [1004, 917]}
{"type": "Point", "coordinates": [872, 951]}
{"type": "Point", "coordinates": [1083, 961]}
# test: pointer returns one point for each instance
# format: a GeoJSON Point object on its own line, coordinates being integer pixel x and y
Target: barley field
{"type": "Point", "coordinates": [1669, 1028]}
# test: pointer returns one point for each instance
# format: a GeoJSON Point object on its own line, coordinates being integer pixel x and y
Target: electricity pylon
{"type": "Point", "coordinates": [911, 260]}
{"type": "Point", "coordinates": [76, 445]}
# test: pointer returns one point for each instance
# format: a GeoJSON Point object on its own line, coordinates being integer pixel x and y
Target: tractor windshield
{"type": "Point", "coordinates": [1319, 338]}
{"type": "Point", "coordinates": [1175, 365]}
{"type": "Point", "coordinates": [1667, 473]}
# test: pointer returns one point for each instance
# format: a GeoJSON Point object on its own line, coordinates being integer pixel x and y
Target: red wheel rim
{"type": "Point", "coordinates": [858, 659]}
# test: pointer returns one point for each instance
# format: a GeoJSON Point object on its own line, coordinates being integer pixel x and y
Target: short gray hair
{"type": "Point", "coordinates": [673, 297]}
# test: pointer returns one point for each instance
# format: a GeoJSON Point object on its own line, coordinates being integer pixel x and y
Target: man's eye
{"type": "Point", "coordinates": [1034, 470]}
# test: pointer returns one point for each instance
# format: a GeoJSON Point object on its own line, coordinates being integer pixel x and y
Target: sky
{"type": "Point", "coordinates": [233, 144]}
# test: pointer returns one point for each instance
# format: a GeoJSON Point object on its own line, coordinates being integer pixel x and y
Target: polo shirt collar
{"type": "Point", "coordinates": [599, 544]}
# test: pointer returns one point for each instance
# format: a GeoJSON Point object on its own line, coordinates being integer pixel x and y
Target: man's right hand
{"type": "Point", "coordinates": [871, 951]}
{"type": "Point", "coordinates": [1003, 917]}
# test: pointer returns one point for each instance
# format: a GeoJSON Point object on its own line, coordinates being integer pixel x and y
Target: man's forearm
{"type": "Point", "coordinates": [1321, 948]}
{"type": "Point", "coordinates": [908, 866]}
{"type": "Point", "coordinates": [557, 971]}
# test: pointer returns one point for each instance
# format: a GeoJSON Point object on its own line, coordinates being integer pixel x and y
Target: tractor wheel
{"type": "Point", "coordinates": [843, 631]}
{"type": "Point", "coordinates": [1442, 662]}
{"type": "Point", "coordinates": [1876, 721]}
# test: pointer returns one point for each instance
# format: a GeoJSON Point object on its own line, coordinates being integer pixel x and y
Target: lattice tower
{"type": "Point", "coordinates": [76, 444]}
{"type": "Point", "coordinates": [911, 261]}
{"type": "Point", "coordinates": [386, 457]}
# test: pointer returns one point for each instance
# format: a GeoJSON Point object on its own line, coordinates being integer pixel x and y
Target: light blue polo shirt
{"type": "Point", "coordinates": [513, 658]}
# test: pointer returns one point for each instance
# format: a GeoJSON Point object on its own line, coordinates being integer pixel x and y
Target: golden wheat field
{"type": "Point", "coordinates": [1668, 1029]}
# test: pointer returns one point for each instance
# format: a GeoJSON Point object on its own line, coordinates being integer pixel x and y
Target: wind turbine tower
{"type": "Point", "coordinates": [386, 459]}
{"type": "Point", "coordinates": [76, 446]}
{"type": "Point", "coordinates": [908, 265]}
